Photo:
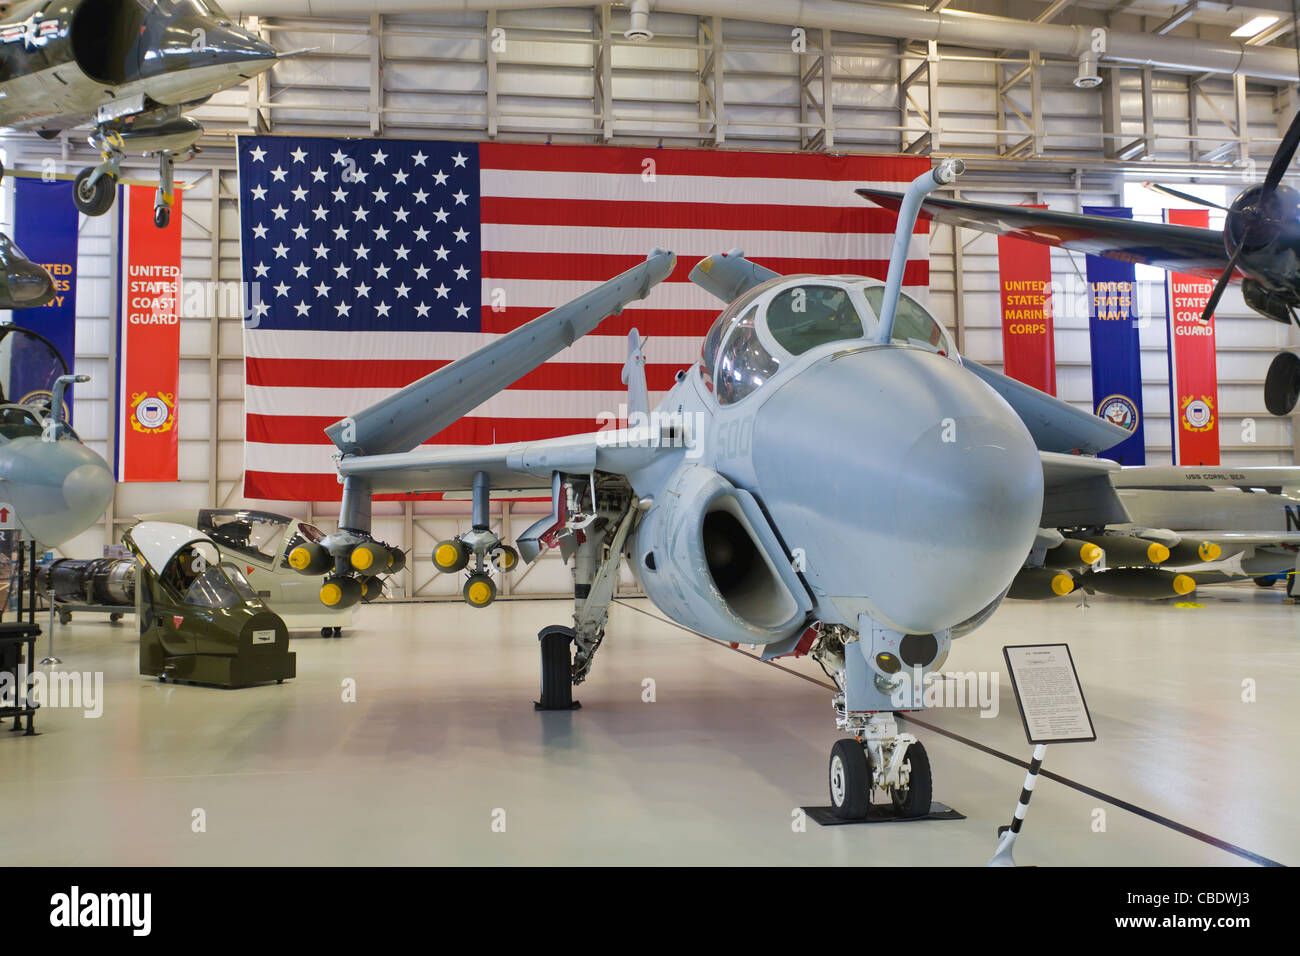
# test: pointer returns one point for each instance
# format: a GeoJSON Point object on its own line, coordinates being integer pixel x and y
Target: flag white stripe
{"type": "Point", "coordinates": [309, 345]}
{"type": "Point", "coordinates": [690, 245]}
{"type": "Point", "coordinates": [511, 403]}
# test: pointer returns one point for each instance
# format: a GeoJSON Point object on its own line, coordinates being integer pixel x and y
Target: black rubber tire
{"type": "Point", "coordinates": [849, 775]}
{"type": "Point", "coordinates": [100, 199]}
{"type": "Point", "coordinates": [161, 217]}
{"type": "Point", "coordinates": [1265, 582]}
{"type": "Point", "coordinates": [338, 632]}
{"type": "Point", "coordinates": [915, 800]}
{"type": "Point", "coordinates": [327, 632]}
{"type": "Point", "coordinates": [557, 668]}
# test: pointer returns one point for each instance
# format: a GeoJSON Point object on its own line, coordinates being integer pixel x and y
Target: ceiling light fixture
{"type": "Point", "coordinates": [1254, 27]}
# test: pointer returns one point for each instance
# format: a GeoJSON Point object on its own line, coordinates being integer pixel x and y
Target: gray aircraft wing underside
{"type": "Point", "coordinates": [518, 466]}
{"type": "Point", "coordinates": [1077, 491]}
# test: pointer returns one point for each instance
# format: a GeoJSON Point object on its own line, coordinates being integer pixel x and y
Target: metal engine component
{"type": "Point", "coordinates": [106, 581]}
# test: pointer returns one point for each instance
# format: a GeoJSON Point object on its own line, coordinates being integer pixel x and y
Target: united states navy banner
{"type": "Point", "coordinates": [1116, 356]}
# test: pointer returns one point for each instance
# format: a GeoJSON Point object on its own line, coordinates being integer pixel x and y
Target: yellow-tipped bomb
{"type": "Point", "coordinates": [369, 557]}
{"type": "Point", "coordinates": [1073, 554]}
{"type": "Point", "coordinates": [479, 590]}
{"type": "Point", "coordinates": [1147, 583]}
{"type": "Point", "coordinates": [1209, 551]}
{"type": "Point", "coordinates": [1129, 551]}
{"type": "Point", "coordinates": [1157, 553]}
{"type": "Point", "coordinates": [450, 556]}
{"type": "Point", "coordinates": [1183, 585]}
{"type": "Point", "coordinates": [1039, 584]}
{"type": "Point", "coordinates": [309, 558]}
{"type": "Point", "coordinates": [1194, 552]}
{"type": "Point", "coordinates": [339, 592]}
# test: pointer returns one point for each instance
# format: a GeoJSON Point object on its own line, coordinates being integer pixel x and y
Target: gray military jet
{"type": "Point", "coordinates": [130, 67]}
{"type": "Point", "coordinates": [829, 479]}
{"type": "Point", "coordinates": [52, 487]}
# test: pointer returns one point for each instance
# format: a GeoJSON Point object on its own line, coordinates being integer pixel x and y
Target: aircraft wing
{"type": "Point", "coordinates": [1185, 249]}
{"type": "Point", "coordinates": [519, 466]}
{"type": "Point", "coordinates": [1077, 491]}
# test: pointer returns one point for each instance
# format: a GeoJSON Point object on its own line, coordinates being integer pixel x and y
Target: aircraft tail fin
{"type": "Point", "coordinates": [419, 411]}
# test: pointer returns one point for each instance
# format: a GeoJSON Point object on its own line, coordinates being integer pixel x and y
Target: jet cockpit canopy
{"type": "Point", "coordinates": [770, 326]}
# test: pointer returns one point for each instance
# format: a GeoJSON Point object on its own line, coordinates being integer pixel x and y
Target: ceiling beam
{"type": "Point", "coordinates": [1180, 16]}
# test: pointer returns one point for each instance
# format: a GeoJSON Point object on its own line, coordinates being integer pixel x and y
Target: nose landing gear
{"type": "Point", "coordinates": [880, 759]}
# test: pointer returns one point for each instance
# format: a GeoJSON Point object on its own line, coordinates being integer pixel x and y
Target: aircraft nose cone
{"type": "Point", "coordinates": [88, 489]}
{"type": "Point", "coordinates": [28, 287]}
{"type": "Point", "coordinates": [917, 497]}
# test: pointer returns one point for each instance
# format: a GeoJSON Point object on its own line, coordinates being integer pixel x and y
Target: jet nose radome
{"type": "Point", "coordinates": [58, 488]}
{"type": "Point", "coordinates": [917, 497]}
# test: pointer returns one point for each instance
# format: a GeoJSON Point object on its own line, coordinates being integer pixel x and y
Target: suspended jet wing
{"type": "Point", "coordinates": [1185, 249]}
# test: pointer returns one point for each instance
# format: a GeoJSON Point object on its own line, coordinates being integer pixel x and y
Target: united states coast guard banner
{"type": "Point", "coordinates": [149, 350]}
{"type": "Point", "coordinates": [1193, 372]}
{"type": "Point", "coordinates": [45, 228]}
{"type": "Point", "coordinates": [1116, 357]}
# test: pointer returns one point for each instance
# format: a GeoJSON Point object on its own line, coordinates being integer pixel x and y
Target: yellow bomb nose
{"type": "Point", "coordinates": [1090, 554]}
{"type": "Point", "coordinates": [1063, 584]}
{"type": "Point", "coordinates": [1209, 551]}
{"type": "Point", "coordinates": [1157, 552]}
{"type": "Point", "coordinates": [1183, 585]}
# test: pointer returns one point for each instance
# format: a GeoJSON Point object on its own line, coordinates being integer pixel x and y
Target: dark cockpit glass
{"type": "Point", "coordinates": [913, 325]}
{"type": "Point", "coordinates": [18, 422]}
{"type": "Point", "coordinates": [255, 534]}
{"type": "Point", "coordinates": [29, 366]}
{"type": "Point", "coordinates": [806, 316]}
{"type": "Point", "coordinates": [745, 364]}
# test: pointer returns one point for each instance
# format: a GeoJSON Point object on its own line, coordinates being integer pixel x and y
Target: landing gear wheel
{"type": "Point", "coordinates": [1265, 582]}
{"type": "Point", "coordinates": [97, 199]}
{"type": "Point", "coordinates": [338, 632]}
{"type": "Point", "coordinates": [327, 632]}
{"type": "Point", "coordinates": [450, 556]}
{"type": "Point", "coordinates": [850, 780]}
{"type": "Point", "coordinates": [557, 668]}
{"type": "Point", "coordinates": [65, 617]}
{"type": "Point", "coordinates": [914, 799]}
{"type": "Point", "coordinates": [114, 618]}
{"type": "Point", "coordinates": [479, 590]}
{"type": "Point", "coordinates": [161, 216]}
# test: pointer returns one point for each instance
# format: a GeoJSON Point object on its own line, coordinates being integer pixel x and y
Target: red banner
{"type": "Point", "coordinates": [1028, 349]}
{"type": "Point", "coordinates": [149, 351]}
{"type": "Point", "coordinates": [1194, 378]}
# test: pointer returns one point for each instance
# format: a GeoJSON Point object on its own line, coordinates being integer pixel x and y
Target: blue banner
{"type": "Point", "coordinates": [1116, 356]}
{"type": "Point", "coordinates": [45, 229]}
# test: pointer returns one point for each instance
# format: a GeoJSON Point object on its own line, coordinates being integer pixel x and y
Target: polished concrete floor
{"type": "Point", "coordinates": [442, 759]}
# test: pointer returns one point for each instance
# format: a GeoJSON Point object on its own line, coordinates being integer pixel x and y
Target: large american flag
{"type": "Point", "coordinates": [370, 263]}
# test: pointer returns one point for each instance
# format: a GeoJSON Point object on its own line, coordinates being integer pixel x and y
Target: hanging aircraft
{"type": "Point", "coordinates": [23, 283]}
{"type": "Point", "coordinates": [1259, 244]}
{"type": "Point", "coordinates": [129, 67]}
{"type": "Point", "coordinates": [52, 486]}
{"type": "Point", "coordinates": [828, 479]}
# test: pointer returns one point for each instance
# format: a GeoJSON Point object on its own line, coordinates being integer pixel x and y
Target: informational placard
{"type": "Point", "coordinates": [1048, 693]}
{"type": "Point", "coordinates": [149, 353]}
{"type": "Point", "coordinates": [1025, 277]}
{"type": "Point", "coordinates": [1194, 377]}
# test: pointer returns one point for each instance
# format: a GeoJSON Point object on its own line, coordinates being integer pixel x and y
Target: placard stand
{"type": "Point", "coordinates": [1052, 709]}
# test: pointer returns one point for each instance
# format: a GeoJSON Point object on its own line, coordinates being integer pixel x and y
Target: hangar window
{"type": "Point", "coordinates": [806, 316]}
{"type": "Point", "coordinates": [745, 364]}
{"type": "Point", "coordinates": [913, 325]}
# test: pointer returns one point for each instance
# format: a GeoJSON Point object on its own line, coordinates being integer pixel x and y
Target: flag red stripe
{"type": "Point", "coordinates": [701, 162]}
{"type": "Point", "coordinates": [398, 373]}
{"type": "Point", "coordinates": [310, 430]}
{"type": "Point", "coordinates": [611, 213]}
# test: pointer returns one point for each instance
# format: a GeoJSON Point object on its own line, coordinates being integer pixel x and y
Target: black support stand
{"type": "Point", "coordinates": [23, 630]}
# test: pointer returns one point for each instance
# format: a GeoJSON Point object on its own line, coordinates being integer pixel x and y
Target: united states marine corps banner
{"type": "Point", "coordinates": [1193, 374]}
{"type": "Point", "coordinates": [1028, 349]}
{"type": "Point", "coordinates": [45, 229]}
{"type": "Point", "coordinates": [1116, 358]}
{"type": "Point", "coordinates": [149, 350]}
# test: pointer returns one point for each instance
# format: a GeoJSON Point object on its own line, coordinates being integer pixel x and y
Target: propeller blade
{"type": "Point", "coordinates": [1282, 158]}
{"type": "Point", "coordinates": [1185, 197]}
{"type": "Point", "coordinates": [1222, 284]}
